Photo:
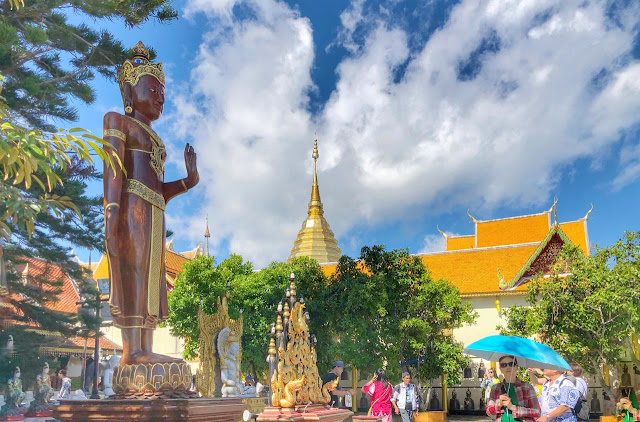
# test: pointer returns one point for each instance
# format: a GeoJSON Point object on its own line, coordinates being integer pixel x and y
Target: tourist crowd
{"type": "Point", "coordinates": [561, 395]}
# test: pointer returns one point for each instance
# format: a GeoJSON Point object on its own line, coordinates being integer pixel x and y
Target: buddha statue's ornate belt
{"type": "Point", "coordinates": [143, 191]}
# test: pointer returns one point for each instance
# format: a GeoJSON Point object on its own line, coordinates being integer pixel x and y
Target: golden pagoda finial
{"type": "Point", "coordinates": [471, 217]}
{"type": "Point", "coordinates": [441, 232]}
{"type": "Point", "coordinates": [586, 216]}
{"type": "Point", "coordinates": [207, 234]}
{"type": "Point", "coordinates": [315, 191]}
{"type": "Point", "coordinates": [315, 239]}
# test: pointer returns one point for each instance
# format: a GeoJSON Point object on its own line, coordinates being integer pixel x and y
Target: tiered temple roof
{"type": "Point", "coordinates": [315, 238]}
{"type": "Point", "coordinates": [66, 301]}
{"type": "Point", "coordinates": [502, 254]}
{"type": "Point", "coordinates": [173, 264]}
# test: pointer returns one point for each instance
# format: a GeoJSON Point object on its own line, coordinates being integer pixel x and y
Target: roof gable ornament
{"type": "Point", "coordinates": [554, 209]}
{"type": "Point", "coordinates": [472, 218]}
{"type": "Point", "coordinates": [586, 216]}
{"type": "Point", "coordinates": [501, 283]}
{"type": "Point", "coordinates": [442, 233]}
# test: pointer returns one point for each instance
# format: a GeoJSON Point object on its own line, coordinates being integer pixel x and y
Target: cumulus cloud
{"type": "Point", "coordinates": [433, 243]}
{"type": "Point", "coordinates": [493, 107]}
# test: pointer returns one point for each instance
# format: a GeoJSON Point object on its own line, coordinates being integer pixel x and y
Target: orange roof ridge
{"type": "Point", "coordinates": [457, 236]}
{"type": "Point", "coordinates": [486, 248]}
{"type": "Point", "coordinates": [516, 217]}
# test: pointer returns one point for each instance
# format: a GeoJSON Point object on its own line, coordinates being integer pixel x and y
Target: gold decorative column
{"type": "Point", "coordinates": [354, 385]}
{"type": "Point", "coordinates": [445, 394]}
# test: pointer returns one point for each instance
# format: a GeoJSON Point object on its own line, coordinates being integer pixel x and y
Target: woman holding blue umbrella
{"type": "Point", "coordinates": [512, 352]}
{"type": "Point", "coordinates": [513, 399]}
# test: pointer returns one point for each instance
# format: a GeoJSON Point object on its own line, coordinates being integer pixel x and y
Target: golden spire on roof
{"type": "Point", "coordinates": [207, 235]}
{"type": "Point", "coordinates": [315, 238]}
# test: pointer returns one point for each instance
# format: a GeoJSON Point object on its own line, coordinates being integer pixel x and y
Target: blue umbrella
{"type": "Point", "coordinates": [529, 353]}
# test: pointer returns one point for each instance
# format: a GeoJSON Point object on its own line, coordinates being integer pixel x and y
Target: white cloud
{"type": "Point", "coordinates": [350, 19]}
{"type": "Point", "coordinates": [388, 148]}
{"type": "Point", "coordinates": [433, 243]}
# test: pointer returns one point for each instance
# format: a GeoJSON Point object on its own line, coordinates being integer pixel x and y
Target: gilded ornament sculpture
{"type": "Point", "coordinates": [135, 198]}
{"type": "Point", "coordinates": [220, 352]}
{"type": "Point", "coordinates": [292, 355]}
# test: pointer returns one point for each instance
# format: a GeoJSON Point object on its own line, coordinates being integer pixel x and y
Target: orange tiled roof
{"type": "Point", "coordinates": [507, 245]}
{"type": "Point", "coordinates": [476, 270]}
{"type": "Point", "coordinates": [174, 262]}
{"type": "Point", "coordinates": [66, 300]}
{"type": "Point", "coordinates": [104, 343]}
{"type": "Point", "coordinates": [512, 231]}
{"type": "Point", "coordinates": [455, 243]}
{"type": "Point", "coordinates": [576, 231]}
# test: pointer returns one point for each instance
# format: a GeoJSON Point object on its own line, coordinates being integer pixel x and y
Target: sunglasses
{"type": "Point", "coordinates": [507, 364]}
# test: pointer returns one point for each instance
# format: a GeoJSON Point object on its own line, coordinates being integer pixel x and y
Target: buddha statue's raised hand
{"type": "Point", "coordinates": [190, 159]}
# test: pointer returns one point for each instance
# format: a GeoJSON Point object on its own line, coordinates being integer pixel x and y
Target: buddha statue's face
{"type": "Point", "coordinates": [147, 97]}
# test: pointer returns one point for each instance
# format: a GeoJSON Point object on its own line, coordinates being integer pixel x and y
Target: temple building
{"type": "Point", "coordinates": [66, 302]}
{"type": "Point", "coordinates": [491, 267]}
{"type": "Point", "coordinates": [315, 238]}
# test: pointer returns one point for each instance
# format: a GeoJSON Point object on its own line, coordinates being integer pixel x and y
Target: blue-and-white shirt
{"type": "Point", "coordinates": [560, 392]}
{"type": "Point", "coordinates": [406, 397]}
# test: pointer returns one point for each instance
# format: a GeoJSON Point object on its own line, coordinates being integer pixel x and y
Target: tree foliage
{"type": "Point", "coordinates": [589, 315]}
{"type": "Point", "coordinates": [49, 61]}
{"type": "Point", "coordinates": [387, 304]}
{"type": "Point", "coordinates": [255, 293]}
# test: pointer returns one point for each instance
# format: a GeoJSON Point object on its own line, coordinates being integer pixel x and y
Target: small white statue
{"type": "Point", "coordinates": [229, 351]}
{"type": "Point", "coordinates": [79, 395]}
{"type": "Point", "coordinates": [46, 378]}
{"type": "Point", "coordinates": [108, 375]}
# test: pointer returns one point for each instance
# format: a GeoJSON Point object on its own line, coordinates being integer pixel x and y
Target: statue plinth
{"type": "Point", "coordinates": [39, 414]}
{"type": "Point", "coordinates": [189, 410]}
{"type": "Point", "coordinates": [12, 418]}
{"type": "Point", "coordinates": [314, 412]}
{"type": "Point", "coordinates": [152, 380]}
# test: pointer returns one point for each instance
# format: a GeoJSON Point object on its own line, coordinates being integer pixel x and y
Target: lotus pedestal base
{"type": "Point", "coordinates": [316, 412]}
{"type": "Point", "coordinates": [191, 410]}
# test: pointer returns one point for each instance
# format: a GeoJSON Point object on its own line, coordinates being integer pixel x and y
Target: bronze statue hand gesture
{"type": "Point", "coordinates": [192, 178]}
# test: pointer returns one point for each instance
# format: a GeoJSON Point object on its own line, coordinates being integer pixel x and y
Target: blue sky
{"type": "Point", "coordinates": [423, 109]}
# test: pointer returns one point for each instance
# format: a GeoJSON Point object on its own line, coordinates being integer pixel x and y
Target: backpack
{"type": "Point", "coordinates": [582, 408]}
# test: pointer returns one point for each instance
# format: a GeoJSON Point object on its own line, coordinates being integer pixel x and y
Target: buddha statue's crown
{"type": "Point", "coordinates": [132, 70]}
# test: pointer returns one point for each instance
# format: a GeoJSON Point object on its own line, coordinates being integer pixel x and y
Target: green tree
{"type": "Point", "coordinates": [49, 61]}
{"type": "Point", "coordinates": [258, 295]}
{"type": "Point", "coordinates": [202, 280]}
{"type": "Point", "coordinates": [387, 304]}
{"type": "Point", "coordinates": [589, 315]}
{"type": "Point", "coordinates": [255, 293]}
{"type": "Point", "coordinates": [50, 242]}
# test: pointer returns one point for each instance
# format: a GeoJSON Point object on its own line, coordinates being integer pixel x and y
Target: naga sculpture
{"type": "Point", "coordinates": [135, 197]}
{"type": "Point", "coordinates": [220, 352]}
{"type": "Point", "coordinates": [295, 379]}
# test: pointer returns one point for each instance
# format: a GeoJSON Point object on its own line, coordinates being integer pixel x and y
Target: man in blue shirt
{"type": "Point", "coordinates": [406, 400]}
{"type": "Point", "coordinates": [558, 398]}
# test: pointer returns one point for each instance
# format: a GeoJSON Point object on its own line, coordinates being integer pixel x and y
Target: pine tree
{"type": "Point", "coordinates": [48, 60]}
{"type": "Point", "coordinates": [50, 242]}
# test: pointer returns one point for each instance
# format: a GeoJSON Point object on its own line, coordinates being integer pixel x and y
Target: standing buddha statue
{"type": "Point", "coordinates": [135, 197]}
